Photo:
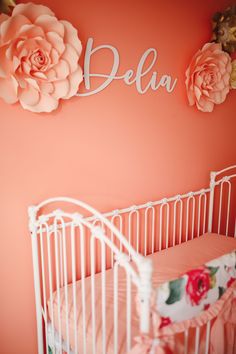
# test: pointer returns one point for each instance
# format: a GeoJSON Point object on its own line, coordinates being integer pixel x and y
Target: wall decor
{"type": "Point", "coordinates": [39, 58]}
{"type": "Point", "coordinates": [208, 77]}
{"type": "Point", "coordinates": [130, 76]}
{"type": "Point", "coordinates": [211, 73]}
{"type": "Point", "coordinates": [40, 55]}
{"type": "Point", "coordinates": [224, 29]}
{"type": "Point", "coordinates": [39, 61]}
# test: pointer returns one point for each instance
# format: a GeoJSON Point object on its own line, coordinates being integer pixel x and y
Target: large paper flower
{"type": "Point", "coordinates": [38, 58]}
{"type": "Point", "coordinates": [207, 77]}
{"type": "Point", "coordinates": [233, 75]}
{"type": "Point", "coordinates": [224, 29]}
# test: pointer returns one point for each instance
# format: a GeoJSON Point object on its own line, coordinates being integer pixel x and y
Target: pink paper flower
{"type": "Point", "coordinates": [207, 77]}
{"type": "Point", "coordinates": [38, 58]}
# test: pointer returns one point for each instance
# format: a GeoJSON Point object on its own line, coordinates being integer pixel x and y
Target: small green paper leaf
{"type": "Point", "coordinates": [221, 291]}
{"type": "Point", "coordinates": [176, 291]}
{"type": "Point", "coordinates": [213, 270]}
{"type": "Point", "coordinates": [49, 350]}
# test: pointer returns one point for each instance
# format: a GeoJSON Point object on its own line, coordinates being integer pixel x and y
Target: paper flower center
{"type": "Point", "coordinates": [39, 60]}
{"type": "Point", "coordinates": [209, 79]}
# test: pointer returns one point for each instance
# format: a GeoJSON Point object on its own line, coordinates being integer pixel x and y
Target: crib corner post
{"type": "Point", "coordinates": [145, 293]}
{"type": "Point", "coordinates": [32, 213]}
{"type": "Point", "coordinates": [211, 202]}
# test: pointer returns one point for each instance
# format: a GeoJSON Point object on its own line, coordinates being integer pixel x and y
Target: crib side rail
{"type": "Point", "coordinates": [159, 224]}
{"type": "Point", "coordinates": [61, 256]}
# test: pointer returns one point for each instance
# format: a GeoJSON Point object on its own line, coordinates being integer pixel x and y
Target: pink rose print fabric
{"type": "Point", "coordinates": [182, 303]}
{"type": "Point", "coordinates": [184, 298]}
{"type": "Point", "coordinates": [38, 58]}
{"type": "Point", "coordinates": [198, 285]}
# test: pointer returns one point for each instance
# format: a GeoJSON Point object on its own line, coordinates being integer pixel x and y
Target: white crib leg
{"type": "Point", "coordinates": [34, 242]}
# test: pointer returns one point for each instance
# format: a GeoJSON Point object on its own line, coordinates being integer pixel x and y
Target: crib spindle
{"type": "Point", "coordinates": [189, 199]}
{"type": "Point", "coordinates": [203, 197]}
{"type": "Point", "coordinates": [164, 204]}
{"type": "Point", "coordinates": [65, 277]}
{"type": "Point", "coordinates": [177, 202]}
{"type": "Point", "coordinates": [149, 210]}
{"type": "Point", "coordinates": [133, 222]}
{"type": "Point", "coordinates": [220, 206]}
{"type": "Point", "coordinates": [60, 251]}
{"type": "Point", "coordinates": [82, 268]}
{"type": "Point", "coordinates": [93, 298]}
{"type": "Point", "coordinates": [116, 265]}
{"type": "Point", "coordinates": [48, 235]}
{"type": "Point", "coordinates": [73, 267]}
{"type": "Point", "coordinates": [208, 329]}
{"type": "Point", "coordinates": [43, 281]}
{"type": "Point", "coordinates": [119, 219]}
{"type": "Point", "coordinates": [103, 256]}
{"type": "Point", "coordinates": [228, 208]}
{"type": "Point", "coordinates": [224, 181]}
{"type": "Point", "coordinates": [56, 237]}
{"type": "Point", "coordinates": [128, 313]}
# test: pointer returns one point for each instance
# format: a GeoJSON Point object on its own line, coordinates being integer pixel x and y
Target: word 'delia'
{"type": "Point", "coordinates": [130, 76]}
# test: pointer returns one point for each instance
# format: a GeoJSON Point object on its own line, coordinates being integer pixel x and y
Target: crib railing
{"type": "Point", "coordinates": [164, 223]}
{"type": "Point", "coordinates": [63, 245]}
{"type": "Point", "coordinates": [157, 225]}
{"type": "Point", "coordinates": [68, 246]}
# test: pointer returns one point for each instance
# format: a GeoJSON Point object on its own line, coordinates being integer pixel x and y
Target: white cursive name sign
{"type": "Point", "coordinates": [130, 76]}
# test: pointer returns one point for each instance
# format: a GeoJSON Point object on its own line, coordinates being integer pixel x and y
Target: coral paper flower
{"type": "Point", "coordinates": [198, 285]}
{"type": "Point", "coordinates": [233, 75]}
{"type": "Point", "coordinates": [38, 58]}
{"type": "Point", "coordinates": [208, 77]}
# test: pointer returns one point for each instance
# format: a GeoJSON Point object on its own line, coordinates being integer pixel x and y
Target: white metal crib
{"type": "Point", "coordinates": [71, 241]}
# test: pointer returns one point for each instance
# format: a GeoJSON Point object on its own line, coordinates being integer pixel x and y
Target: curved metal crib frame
{"type": "Point", "coordinates": [180, 218]}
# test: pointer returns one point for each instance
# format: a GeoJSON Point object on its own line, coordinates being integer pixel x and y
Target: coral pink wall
{"type": "Point", "coordinates": [111, 149]}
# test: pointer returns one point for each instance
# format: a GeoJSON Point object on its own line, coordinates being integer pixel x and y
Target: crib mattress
{"type": "Point", "coordinates": [167, 265]}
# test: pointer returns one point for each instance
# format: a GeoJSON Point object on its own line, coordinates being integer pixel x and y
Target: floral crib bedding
{"type": "Point", "coordinates": [196, 290]}
{"type": "Point", "coordinates": [199, 295]}
{"type": "Point", "coordinates": [168, 265]}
